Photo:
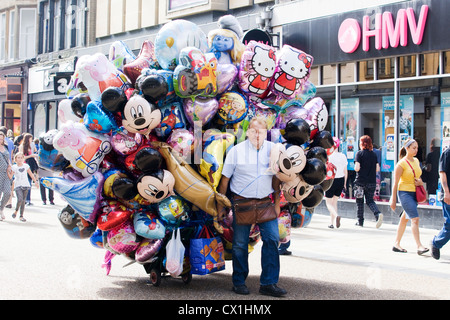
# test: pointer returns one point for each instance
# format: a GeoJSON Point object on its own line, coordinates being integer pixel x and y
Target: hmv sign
{"type": "Point", "coordinates": [404, 28]}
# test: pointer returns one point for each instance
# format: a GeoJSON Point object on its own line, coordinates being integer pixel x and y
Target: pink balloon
{"type": "Point", "coordinates": [257, 67]}
{"type": "Point", "coordinates": [226, 74]}
{"type": "Point", "coordinates": [182, 141]}
{"type": "Point", "coordinates": [123, 239]}
{"type": "Point", "coordinates": [125, 143]}
{"type": "Point", "coordinates": [292, 71]}
{"type": "Point", "coordinates": [200, 109]}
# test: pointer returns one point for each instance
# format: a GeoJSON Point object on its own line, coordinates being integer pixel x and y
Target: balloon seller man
{"type": "Point", "coordinates": [246, 172]}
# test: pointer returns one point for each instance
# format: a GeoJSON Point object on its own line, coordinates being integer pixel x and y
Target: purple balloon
{"type": "Point", "coordinates": [200, 109]}
{"type": "Point", "coordinates": [226, 74]}
{"type": "Point", "coordinates": [147, 249]}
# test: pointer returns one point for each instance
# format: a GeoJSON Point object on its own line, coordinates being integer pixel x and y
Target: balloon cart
{"type": "Point", "coordinates": [156, 268]}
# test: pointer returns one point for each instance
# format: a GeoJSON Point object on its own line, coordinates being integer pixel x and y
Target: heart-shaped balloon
{"type": "Point", "coordinates": [200, 109]}
{"type": "Point", "coordinates": [226, 75]}
{"type": "Point", "coordinates": [97, 119]}
{"type": "Point", "coordinates": [112, 214]}
{"type": "Point", "coordinates": [124, 142]}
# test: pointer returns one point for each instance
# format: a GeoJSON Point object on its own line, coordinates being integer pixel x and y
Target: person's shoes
{"type": "Point", "coordinates": [338, 221]}
{"type": "Point", "coordinates": [52, 203]}
{"type": "Point", "coordinates": [435, 252]}
{"type": "Point", "coordinates": [359, 223]}
{"type": "Point", "coordinates": [285, 253]}
{"type": "Point", "coordinates": [395, 249]}
{"type": "Point", "coordinates": [9, 206]}
{"type": "Point", "coordinates": [331, 226]}
{"type": "Point", "coordinates": [421, 252]}
{"type": "Point", "coordinates": [14, 214]}
{"type": "Point", "coordinates": [272, 290]}
{"type": "Point", "coordinates": [23, 219]}
{"type": "Point", "coordinates": [241, 289]}
{"type": "Point", "coordinates": [379, 220]}
{"type": "Point", "coordinates": [44, 203]}
{"type": "Point", "coordinates": [29, 204]}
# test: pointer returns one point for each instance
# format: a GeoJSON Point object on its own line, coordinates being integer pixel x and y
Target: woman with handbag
{"type": "Point", "coordinates": [5, 175]}
{"type": "Point", "coordinates": [406, 179]}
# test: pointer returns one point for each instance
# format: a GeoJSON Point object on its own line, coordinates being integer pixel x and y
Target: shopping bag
{"type": "Point", "coordinates": [175, 254]}
{"type": "Point", "coordinates": [206, 253]}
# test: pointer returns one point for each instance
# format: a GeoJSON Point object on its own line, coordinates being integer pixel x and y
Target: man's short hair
{"type": "Point", "coordinates": [259, 119]}
{"type": "Point", "coordinates": [4, 130]}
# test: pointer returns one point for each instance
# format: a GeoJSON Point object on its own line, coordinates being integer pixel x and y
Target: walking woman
{"type": "Point", "coordinates": [366, 167]}
{"type": "Point", "coordinates": [28, 148]}
{"type": "Point", "coordinates": [5, 175]}
{"type": "Point", "coordinates": [406, 177]}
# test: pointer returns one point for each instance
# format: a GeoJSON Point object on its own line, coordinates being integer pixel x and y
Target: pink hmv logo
{"type": "Point", "coordinates": [385, 32]}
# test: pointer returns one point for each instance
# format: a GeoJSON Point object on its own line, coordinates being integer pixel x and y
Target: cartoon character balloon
{"type": "Point", "coordinates": [120, 54]}
{"type": "Point", "coordinates": [292, 71]}
{"type": "Point", "coordinates": [174, 36]}
{"type": "Point", "coordinates": [287, 161]}
{"type": "Point", "coordinates": [83, 148]}
{"type": "Point", "coordinates": [98, 73]}
{"type": "Point", "coordinates": [257, 68]}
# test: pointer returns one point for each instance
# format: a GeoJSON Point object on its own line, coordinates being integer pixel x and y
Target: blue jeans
{"type": "Point", "coordinates": [444, 235]}
{"type": "Point", "coordinates": [270, 259]}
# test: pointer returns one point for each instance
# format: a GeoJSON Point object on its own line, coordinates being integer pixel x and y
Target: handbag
{"type": "Point", "coordinates": [206, 253]}
{"type": "Point", "coordinates": [175, 254]}
{"type": "Point", "coordinates": [421, 194]}
{"type": "Point", "coordinates": [250, 210]}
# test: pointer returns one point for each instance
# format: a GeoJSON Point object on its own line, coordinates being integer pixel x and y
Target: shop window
{"type": "Point", "coordinates": [386, 68]}
{"type": "Point", "coordinates": [407, 66]}
{"type": "Point", "coordinates": [329, 74]}
{"type": "Point", "coordinates": [11, 117]}
{"type": "Point", "coordinates": [314, 76]}
{"type": "Point", "coordinates": [429, 64]}
{"type": "Point", "coordinates": [446, 67]}
{"type": "Point", "coordinates": [365, 70]}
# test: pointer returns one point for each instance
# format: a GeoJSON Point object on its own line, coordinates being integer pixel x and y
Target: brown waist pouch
{"type": "Point", "coordinates": [250, 210]}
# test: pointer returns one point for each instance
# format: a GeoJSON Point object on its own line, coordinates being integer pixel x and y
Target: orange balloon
{"type": "Point", "coordinates": [170, 41]}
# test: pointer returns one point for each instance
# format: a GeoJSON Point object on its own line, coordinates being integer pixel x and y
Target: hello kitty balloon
{"type": "Point", "coordinates": [292, 71]}
{"type": "Point", "coordinates": [258, 64]}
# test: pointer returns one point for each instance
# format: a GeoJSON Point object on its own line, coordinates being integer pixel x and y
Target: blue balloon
{"type": "Point", "coordinates": [98, 119]}
{"type": "Point", "coordinates": [172, 209]}
{"type": "Point", "coordinates": [148, 226]}
{"type": "Point", "coordinates": [82, 195]}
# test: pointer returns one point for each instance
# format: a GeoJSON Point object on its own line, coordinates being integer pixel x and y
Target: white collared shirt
{"type": "Point", "coordinates": [248, 170]}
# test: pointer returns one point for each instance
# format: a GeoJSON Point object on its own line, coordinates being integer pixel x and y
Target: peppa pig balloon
{"type": "Point", "coordinates": [83, 148]}
{"type": "Point", "coordinates": [65, 112]}
{"type": "Point", "coordinates": [97, 73]}
{"type": "Point", "coordinates": [257, 68]}
{"type": "Point", "coordinates": [292, 71]}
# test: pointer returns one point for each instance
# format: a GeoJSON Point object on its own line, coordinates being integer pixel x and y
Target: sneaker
{"type": "Point", "coordinates": [44, 203]}
{"type": "Point", "coordinates": [22, 219]}
{"type": "Point", "coordinates": [331, 226]}
{"type": "Point", "coordinates": [435, 252]}
{"type": "Point", "coordinates": [241, 289]}
{"type": "Point", "coordinates": [52, 203]}
{"type": "Point", "coordinates": [359, 224]}
{"type": "Point", "coordinates": [272, 290]}
{"type": "Point", "coordinates": [285, 253]}
{"type": "Point", "coordinates": [379, 220]}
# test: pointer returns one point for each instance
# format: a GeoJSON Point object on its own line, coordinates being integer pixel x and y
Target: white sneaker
{"type": "Point", "coordinates": [379, 221]}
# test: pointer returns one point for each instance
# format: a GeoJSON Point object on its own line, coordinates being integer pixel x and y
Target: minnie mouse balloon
{"type": "Point", "coordinates": [292, 71]}
{"type": "Point", "coordinates": [257, 67]}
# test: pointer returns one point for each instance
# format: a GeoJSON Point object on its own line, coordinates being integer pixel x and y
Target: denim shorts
{"type": "Point", "coordinates": [409, 203]}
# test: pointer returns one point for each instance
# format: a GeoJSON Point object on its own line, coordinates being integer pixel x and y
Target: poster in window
{"type": "Point", "coordinates": [406, 124]}
{"type": "Point", "coordinates": [445, 118]}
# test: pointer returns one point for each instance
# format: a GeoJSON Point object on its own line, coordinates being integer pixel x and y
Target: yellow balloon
{"type": "Point", "coordinates": [170, 41]}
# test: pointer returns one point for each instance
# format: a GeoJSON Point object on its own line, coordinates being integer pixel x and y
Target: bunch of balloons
{"type": "Point", "coordinates": [143, 138]}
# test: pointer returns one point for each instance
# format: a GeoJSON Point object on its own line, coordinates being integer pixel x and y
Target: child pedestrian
{"type": "Point", "coordinates": [21, 183]}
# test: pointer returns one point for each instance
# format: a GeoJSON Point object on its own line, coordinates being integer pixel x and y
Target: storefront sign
{"type": "Point", "coordinates": [14, 92]}
{"type": "Point", "coordinates": [403, 28]}
{"type": "Point", "coordinates": [385, 32]}
{"type": "Point", "coordinates": [60, 82]}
